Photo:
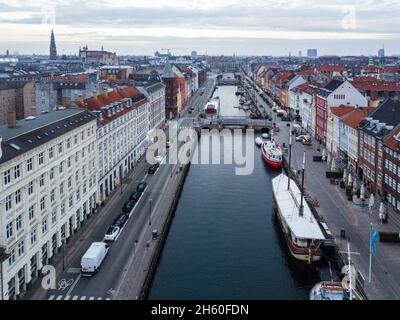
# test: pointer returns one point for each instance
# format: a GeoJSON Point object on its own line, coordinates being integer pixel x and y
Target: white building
{"type": "Point", "coordinates": [294, 103]}
{"type": "Point", "coordinates": [155, 94]}
{"type": "Point", "coordinates": [47, 188]}
{"type": "Point", "coordinates": [122, 134]}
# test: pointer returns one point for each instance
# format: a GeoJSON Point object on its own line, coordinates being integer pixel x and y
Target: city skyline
{"type": "Point", "coordinates": [243, 27]}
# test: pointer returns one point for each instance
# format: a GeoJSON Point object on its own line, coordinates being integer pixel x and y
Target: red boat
{"type": "Point", "coordinates": [271, 153]}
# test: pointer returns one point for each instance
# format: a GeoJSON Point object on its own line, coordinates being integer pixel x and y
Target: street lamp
{"type": "Point", "coordinates": [63, 253]}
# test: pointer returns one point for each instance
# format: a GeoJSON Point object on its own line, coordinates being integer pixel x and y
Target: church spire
{"type": "Point", "coordinates": [53, 49]}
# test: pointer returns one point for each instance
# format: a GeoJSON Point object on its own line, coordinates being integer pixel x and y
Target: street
{"type": "Point", "coordinates": [123, 271]}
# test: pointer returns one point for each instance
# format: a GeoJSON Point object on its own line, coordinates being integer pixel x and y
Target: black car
{"type": "Point", "coordinates": [128, 206]}
{"type": "Point", "coordinates": [141, 186]}
{"type": "Point", "coordinates": [153, 168]}
{"type": "Point", "coordinates": [121, 220]}
{"type": "Point", "coordinates": [135, 196]}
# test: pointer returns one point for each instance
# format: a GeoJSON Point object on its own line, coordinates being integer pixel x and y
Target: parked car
{"type": "Point", "coordinates": [93, 258]}
{"type": "Point", "coordinates": [141, 186]}
{"type": "Point", "coordinates": [111, 234]}
{"type": "Point", "coordinates": [303, 136]}
{"type": "Point", "coordinates": [121, 220]}
{"type": "Point", "coordinates": [135, 196]}
{"type": "Point", "coordinates": [168, 144]}
{"type": "Point", "coordinates": [128, 206]}
{"type": "Point", "coordinates": [153, 169]}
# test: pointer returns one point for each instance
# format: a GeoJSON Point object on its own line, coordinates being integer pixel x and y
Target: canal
{"type": "Point", "coordinates": [224, 242]}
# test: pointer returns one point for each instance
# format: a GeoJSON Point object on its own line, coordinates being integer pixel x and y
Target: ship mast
{"type": "Point", "coordinates": [301, 209]}
{"type": "Point", "coordinates": [290, 156]}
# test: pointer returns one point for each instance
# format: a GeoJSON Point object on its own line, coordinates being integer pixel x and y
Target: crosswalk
{"type": "Point", "coordinates": [76, 298]}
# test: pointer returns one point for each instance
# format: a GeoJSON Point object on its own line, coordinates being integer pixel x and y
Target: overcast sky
{"type": "Point", "coordinates": [244, 27]}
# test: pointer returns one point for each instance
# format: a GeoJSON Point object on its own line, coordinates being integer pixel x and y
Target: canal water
{"type": "Point", "coordinates": [224, 242]}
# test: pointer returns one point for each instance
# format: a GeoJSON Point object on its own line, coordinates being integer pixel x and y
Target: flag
{"type": "Point", "coordinates": [374, 235]}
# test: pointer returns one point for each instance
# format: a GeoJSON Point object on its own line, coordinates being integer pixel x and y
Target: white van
{"type": "Point", "coordinates": [93, 258]}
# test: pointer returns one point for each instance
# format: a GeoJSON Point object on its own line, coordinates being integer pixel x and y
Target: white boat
{"type": "Point", "coordinates": [259, 141]}
{"type": "Point", "coordinates": [328, 290]}
{"type": "Point", "coordinates": [212, 108]}
{"type": "Point", "coordinates": [302, 232]}
{"type": "Point", "coordinates": [265, 136]}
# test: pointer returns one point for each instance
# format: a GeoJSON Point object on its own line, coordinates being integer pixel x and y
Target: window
{"type": "Point", "coordinates": [61, 169]}
{"type": "Point", "coordinates": [68, 143]}
{"type": "Point", "coordinates": [7, 176]}
{"type": "Point", "coordinates": [17, 196]}
{"type": "Point", "coordinates": [31, 212]}
{"type": "Point", "coordinates": [54, 216]}
{"type": "Point", "coordinates": [51, 153]}
{"type": "Point", "coordinates": [76, 139]}
{"type": "Point", "coordinates": [51, 174]}
{"type": "Point", "coordinates": [62, 188]}
{"type": "Point", "coordinates": [69, 162]}
{"type": "Point", "coordinates": [70, 182]}
{"type": "Point", "coordinates": [8, 203]}
{"type": "Point", "coordinates": [30, 188]}
{"type": "Point", "coordinates": [41, 158]}
{"type": "Point", "coordinates": [44, 226]}
{"type": "Point", "coordinates": [33, 236]}
{"type": "Point", "coordinates": [9, 230]}
{"type": "Point", "coordinates": [71, 201]}
{"type": "Point", "coordinates": [11, 258]}
{"type": "Point", "coordinates": [60, 148]}
{"type": "Point", "coordinates": [52, 195]}
{"type": "Point", "coordinates": [41, 180]}
{"type": "Point", "coordinates": [29, 165]}
{"type": "Point", "coordinates": [62, 208]}
{"type": "Point", "coordinates": [21, 248]}
{"type": "Point", "coordinates": [42, 203]}
{"type": "Point", "coordinates": [17, 171]}
{"type": "Point", "coordinates": [18, 223]}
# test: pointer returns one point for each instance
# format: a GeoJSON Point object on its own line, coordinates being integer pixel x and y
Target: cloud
{"type": "Point", "coordinates": [245, 19]}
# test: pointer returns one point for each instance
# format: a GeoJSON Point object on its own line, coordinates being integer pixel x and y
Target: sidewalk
{"type": "Point", "coordinates": [89, 227]}
{"type": "Point", "coordinates": [341, 213]}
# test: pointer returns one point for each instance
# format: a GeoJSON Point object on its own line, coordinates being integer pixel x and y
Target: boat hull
{"type": "Point", "coordinates": [273, 164]}
{"type": "Point", "coordinates": [301, 254]}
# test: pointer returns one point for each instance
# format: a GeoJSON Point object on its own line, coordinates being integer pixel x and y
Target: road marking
{"type": "Point", "coordinates": [51, 297]}
{"type": "Point", "coordinates": [74, 284]}
{"type": "Point", "coordinates": [75, 298]}
{"type": "Point", "coordinates": [59, 297]}
{"type": "Point", "coordinates": [83, 298]}
{"type": "Point", "coordinates": [91, 298]}
{"type": "Point", "coordinates": [67, 297]}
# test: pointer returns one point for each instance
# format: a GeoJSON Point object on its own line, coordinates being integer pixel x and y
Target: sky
{"type": "Point", "coordinates": [243, 27]}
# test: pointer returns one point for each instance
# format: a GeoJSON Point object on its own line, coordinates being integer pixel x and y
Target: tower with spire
{"type": "Point", "coordinates": [53, 48]}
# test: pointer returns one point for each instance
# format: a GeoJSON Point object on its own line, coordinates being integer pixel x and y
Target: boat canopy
{"type": "Point", "coordinates": [288, 201]}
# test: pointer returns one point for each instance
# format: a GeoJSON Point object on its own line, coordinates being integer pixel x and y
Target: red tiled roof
{"type": "Point", "coordinates": [376, 85]}
{"type": "Point", "coordinates": [102, 100]}
{"type": "Point", "coordinates": [354, 118]}
{"type": "Point", "coordinates": [329, 68]}
{"type": "Point", "coordinates": [73, 78]}
{"type": "Point", "coordinates": [391, 142]}
{"type": "Point", "coordinates": [341, 110]}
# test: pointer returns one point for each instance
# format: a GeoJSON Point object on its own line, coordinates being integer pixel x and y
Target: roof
{"type": "Point", "coordinates": [341, 110]}
{"type": "Point", "coordinates": [73, 78]}
{"type": "Point", "coordinates": [383, 120]}
{"type": "Point", "coordinates": [324, 68]}
{"type": "Point", "coordinates": [333, 85]}
{"type": "Point", "coordinates": [354, 118]}
{"type": "Point", "coordinates": [30, 134]}
{"type": "Point", "coordinates": [288, 201]}
{"type": "Point", "coordinates": [391, 142]}
{"type": "Point", "coordinates": [168, 72]}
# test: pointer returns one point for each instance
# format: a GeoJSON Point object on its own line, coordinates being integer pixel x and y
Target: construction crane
{"type": "Point", "coordinates": [167, 49]}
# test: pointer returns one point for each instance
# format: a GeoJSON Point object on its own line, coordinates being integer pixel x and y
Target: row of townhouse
{"type": "Point", "coordinates": [57, 168]}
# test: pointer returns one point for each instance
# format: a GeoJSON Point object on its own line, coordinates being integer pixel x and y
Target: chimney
{"type": "Point", "coordinates": [12, 119]}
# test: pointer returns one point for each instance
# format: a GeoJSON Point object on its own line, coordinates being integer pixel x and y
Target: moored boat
{"type": "Point", "coordinates": [302, 232]}
{"type": "Point", "coordinates": [212, 108]}
{"type": "Point", "coordinates": [329, 290]}
{"type": "Point", "coordinates": [259, 141]}
{"type": "Point", "coordinates": [271, 153]}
